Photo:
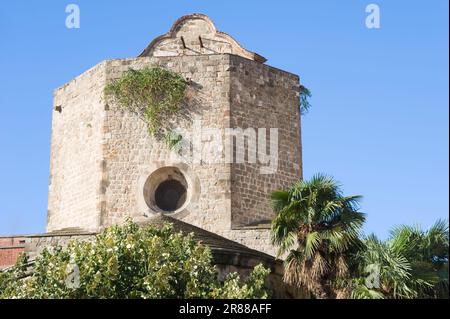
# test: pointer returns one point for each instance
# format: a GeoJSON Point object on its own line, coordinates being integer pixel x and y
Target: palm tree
{"type": "Point", "coordinates": [390, 270]}
{"type": "Point", "coordinates": [412, 263]}
{"type": "Point", "coordinates": [428, 254]}
{"type": "Point", "coordinates": [317, 227]}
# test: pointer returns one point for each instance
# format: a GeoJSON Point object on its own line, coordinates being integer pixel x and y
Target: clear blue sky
{"type": "Point", "coordinates": [379, 121]}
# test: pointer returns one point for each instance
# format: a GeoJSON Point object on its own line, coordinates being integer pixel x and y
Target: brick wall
{"type": "Point", "coordinates": [10, 249]}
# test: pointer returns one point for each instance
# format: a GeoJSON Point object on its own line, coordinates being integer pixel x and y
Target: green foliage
{"type": "Point", "coordinates": [361, 291]}
{"type": "Point", "coordinates": [13, 275]}
{"type": "Point", "coordinates": [305, 94]}
{"type": "Point", "coordinates": [412, 263]}
{"type": "Point", "coordinates": [154, 94]}
{"type": "Point", "coordinates": [173, 140]}
{"type": "Point", "coordinates": [392, 269]}
{"type": "Point", "coordinates": [129, 262]}
{"type": "Point", "coordinates": [317, 227]}
{"type": "Point", "coordinates": [251, 289]}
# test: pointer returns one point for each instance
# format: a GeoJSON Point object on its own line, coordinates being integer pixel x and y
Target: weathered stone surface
{"type": "Point", "coordinates": [196, 34]}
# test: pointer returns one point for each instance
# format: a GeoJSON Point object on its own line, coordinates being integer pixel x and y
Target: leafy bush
{"type": "Point", "coordinates": [152, 93]}
{"type": "Point", "coordinates": [129, 261]}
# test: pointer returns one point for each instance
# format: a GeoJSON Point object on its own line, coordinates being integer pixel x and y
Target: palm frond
{"type": "Point", "coordinates": [312, 242]}
{"type": "Point", "coordinates": [279, 199]}
{"type": "Point", "coordinates": [362, 292]}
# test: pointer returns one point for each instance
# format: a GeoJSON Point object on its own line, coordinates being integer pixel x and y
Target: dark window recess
{"type": "Point", "coordinates": [170, 195]}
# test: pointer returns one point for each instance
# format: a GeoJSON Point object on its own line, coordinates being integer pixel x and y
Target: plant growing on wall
{"type": "Point", "coordinates": [153, 93]}
{"type": "Point", "coordinates": [173, 140]}
{"type": "Point", "coordinates": [305, 94]}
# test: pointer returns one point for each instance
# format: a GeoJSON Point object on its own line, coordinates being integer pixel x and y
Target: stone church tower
{"type": "Point", "coordinates": [105, 166]}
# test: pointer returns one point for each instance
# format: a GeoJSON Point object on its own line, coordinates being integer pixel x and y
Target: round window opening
{"type": "Point", "coordinates": [170, 195]}
{"type": "Point", "coordinates": [166, 190]}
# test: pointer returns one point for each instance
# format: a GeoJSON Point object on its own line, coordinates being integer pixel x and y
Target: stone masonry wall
{"type": "Point", "coordinates": [76, 145]}
{"type": "Point", "coordinates": [263, 97]}
{"type": "Point", "coordinates": [254, 237]}
{"type": "Point", "coordinates": [37, 243]}
{"type": "Point", "coordinates": [102, 154]}
{"type": "Point", "coordinates": [130, 154]}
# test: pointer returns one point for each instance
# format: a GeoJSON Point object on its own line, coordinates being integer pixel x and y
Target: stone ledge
{"type": "Point", "coordinates": [63, 234]}
{"type": "Point", "coordinates": [252, 227]}
{"type": "Point", "coordinates": [12, 247]}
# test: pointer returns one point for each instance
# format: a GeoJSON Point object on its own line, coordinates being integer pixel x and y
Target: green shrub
{"type": "Point", "coordinates": [129, 261]}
